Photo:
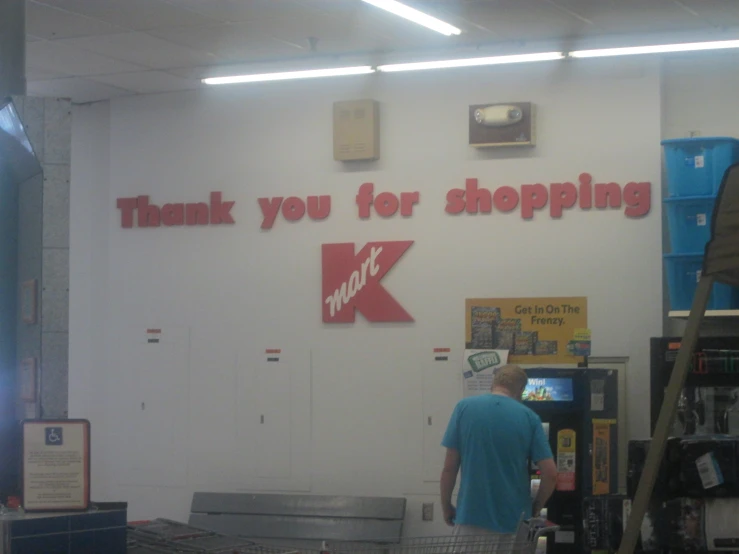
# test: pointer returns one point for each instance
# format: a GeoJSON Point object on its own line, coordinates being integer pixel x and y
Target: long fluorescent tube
{"type": "Point", "coordinates": [284, 76]}
{"type": "Point", "coordinates": [415, 16]}
{"type": "Point", "coordinates": [657, 49]}
{"type": "Point", "coordinates": [472, 62]}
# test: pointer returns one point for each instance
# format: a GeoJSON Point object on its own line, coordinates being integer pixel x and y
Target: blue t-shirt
{"type": "Point", "coordinates": [497, 437]}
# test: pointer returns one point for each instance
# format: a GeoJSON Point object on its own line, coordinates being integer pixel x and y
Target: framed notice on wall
{"type": "Point", "coordinates": [56, 465]}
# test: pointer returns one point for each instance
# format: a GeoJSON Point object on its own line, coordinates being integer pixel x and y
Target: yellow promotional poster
{"type": "Point", "coordinates": [533, 330]}
{"type": "Point", "coordinates": [566, 460]}
{"type": "Point", "coordinates": [602, 456]}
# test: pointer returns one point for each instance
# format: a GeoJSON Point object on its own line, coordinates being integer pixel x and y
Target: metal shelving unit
{"type": "Point", "coordinates": [683, 314]}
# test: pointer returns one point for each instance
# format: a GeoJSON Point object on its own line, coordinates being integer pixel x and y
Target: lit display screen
{"type": "Point", "coordinates": [548, 390]}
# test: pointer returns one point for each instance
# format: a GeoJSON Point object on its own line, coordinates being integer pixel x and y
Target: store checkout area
{"type": "Point", "coordinates": [567, 400]}
{"type": "Point", "coordinates": [237, 523]}
{"type": "Point", "coordinates": [580, 412]}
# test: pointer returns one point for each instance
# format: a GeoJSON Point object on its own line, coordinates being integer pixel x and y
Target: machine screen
{"type": "Point", "coordinates": [549, 390]}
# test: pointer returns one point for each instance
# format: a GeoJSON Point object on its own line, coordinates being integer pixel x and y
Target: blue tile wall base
{"type": "Point", "coordinates": [94, 532]}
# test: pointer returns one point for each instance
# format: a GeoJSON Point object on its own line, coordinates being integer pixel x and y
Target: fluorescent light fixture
{"type": "Point", "coordinates": [656, 49]}
{"type": "Point", "coordinates": [472, 62]}
{"type": "Point", "coordinates": [284, 76]}
{"type": "Point", "coordinates": [415, 16]}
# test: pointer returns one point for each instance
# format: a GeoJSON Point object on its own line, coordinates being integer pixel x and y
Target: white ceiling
{"type": "Point", "coordinates": [91, 50]}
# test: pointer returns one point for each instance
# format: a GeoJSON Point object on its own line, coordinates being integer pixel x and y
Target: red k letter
{"type": "Point", "coordinates": [352, 281]}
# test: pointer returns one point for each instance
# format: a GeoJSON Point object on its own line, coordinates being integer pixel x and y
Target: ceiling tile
{"type": "Point", "coordinates": [242, 42]}
{"type": "Point", "coordinates": [80, 90]}
{"type": "Point", "coordinates": [50, 23]}
{"type": "Point", "coordinates": [521, 19]}
{"type": "Point", "coordinates": [131, 14]}
{"type": "Point", "coordinates": [333, 25]}
{"type": "Point", "coordinates": [350, 45]}
{"type": "Point", "coordinates": [716, 12]}
{"type": "Point", "coordinates": [193, 73]}
{"type": "Point", "coordinates": [145, 82]}
{"type": "Point", "coordinates": [53, 56]}
{"type": "Point", "coordinates": [238, 11]}
{"type": "Point", "coordinates": [633, 16]}
{"type": "Point", "coordinates": [143, 49]}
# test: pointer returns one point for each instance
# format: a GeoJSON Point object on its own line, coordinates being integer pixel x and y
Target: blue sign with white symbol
{"type": "Point", "coordinates": [54, 436]}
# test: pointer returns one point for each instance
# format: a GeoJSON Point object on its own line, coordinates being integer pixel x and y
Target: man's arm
{"type": "Point", "coordinates": [548, 483]}
{"type": "Point", "coordinates": [448, 481]}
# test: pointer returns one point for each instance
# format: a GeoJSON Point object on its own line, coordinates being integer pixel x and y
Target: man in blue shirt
{"type": "Point", "coordinates": [493, 438]}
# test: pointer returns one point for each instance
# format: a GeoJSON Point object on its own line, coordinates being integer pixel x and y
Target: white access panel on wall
{"type": "Point", "coordinates": [272, 441]}
{"type": "Point", "coordinates": [366, 405]}
{"type": "Point", "coordinates": [212, 463]}
{"type": "Point", "coordinates": [151, 394]}
{"type": "Point", "coordinates": [272, 380]}
{"type": "Point", "coordinates": [442, 389]}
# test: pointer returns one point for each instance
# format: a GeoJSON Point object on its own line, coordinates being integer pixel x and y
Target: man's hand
{"type": "Point", "coordinates": [448, 480]}
{"type": "Point", "coordinates": [450, 513]}
{"type": "Point", "coordinates": [548, 470]}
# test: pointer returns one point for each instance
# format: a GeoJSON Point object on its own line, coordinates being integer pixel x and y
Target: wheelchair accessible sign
{"type": "Point", "coordinates": [54, 436]}
{"type": "Point", "coordinates": [478, 369]}
{"type": "Point", "coordinates": [56, 465]}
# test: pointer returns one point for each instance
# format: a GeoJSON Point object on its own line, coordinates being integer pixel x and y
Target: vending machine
{"type": "Point", "coordinates": [579, 411]}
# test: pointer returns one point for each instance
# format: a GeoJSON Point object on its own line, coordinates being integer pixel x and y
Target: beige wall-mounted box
{"type": "Point", "coordinates": [505, 124]}
{"type": "Point", "coordinates": [356, 130]}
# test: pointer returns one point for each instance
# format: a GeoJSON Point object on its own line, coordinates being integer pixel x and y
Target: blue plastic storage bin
{"type": "Point", "coordinates": [683, 274]}
{"type": "Point", "coordinates": [695, 166]}
{"type": "Point", "coordinates": [689, 222]}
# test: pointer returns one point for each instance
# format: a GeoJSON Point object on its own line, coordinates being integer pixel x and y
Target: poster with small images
{"type": "Point", "coordinates": [532, 330]}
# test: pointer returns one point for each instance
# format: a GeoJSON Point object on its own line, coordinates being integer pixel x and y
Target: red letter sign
{"type": "Point", "coordinates": [352, 281]}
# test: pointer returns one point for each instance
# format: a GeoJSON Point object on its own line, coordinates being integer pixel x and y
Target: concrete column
{"type": "Point", "coordinates": [44, 247]}
{"type": "Point", "coordinates": [12, 47]}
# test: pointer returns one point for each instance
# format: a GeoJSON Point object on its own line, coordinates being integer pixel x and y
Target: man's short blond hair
{"type": "Point", "coordinates": [510, 377]}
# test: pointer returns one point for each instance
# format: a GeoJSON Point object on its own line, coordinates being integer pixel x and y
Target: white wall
{"type": "Point", "coordinates": [88, 267]}
{"type": "Point", "coordinates": [699, 96]}
{"type": "Point", "coordinates": [186, 417]}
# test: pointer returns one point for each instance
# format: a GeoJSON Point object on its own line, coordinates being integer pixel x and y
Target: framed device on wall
{"type": "Point", "coordinates": [507, 124]}
{"type": "Point", "coordinates": [28, 301]}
